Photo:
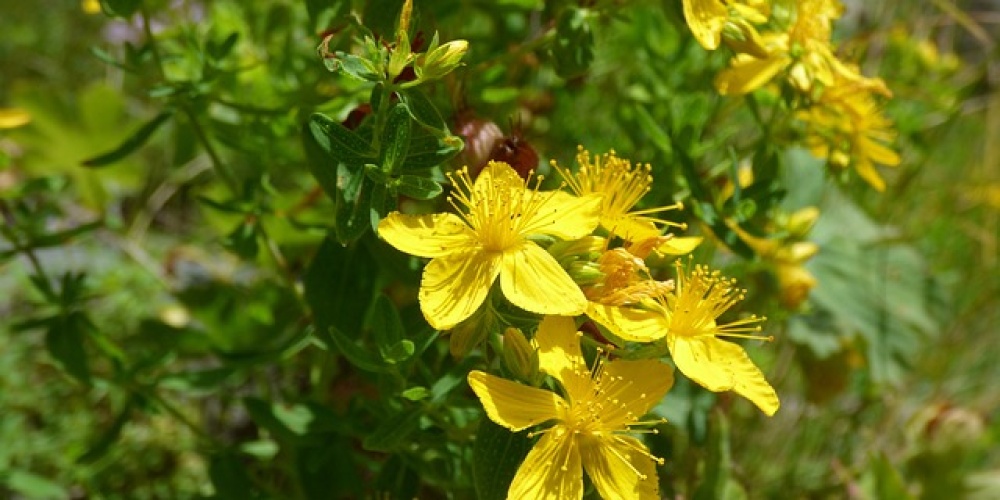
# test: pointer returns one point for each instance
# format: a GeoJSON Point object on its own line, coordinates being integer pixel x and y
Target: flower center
{"type": "Point", "coordinates": [500, 212]}
{"type": "Point", "coordinates": [700, 298]}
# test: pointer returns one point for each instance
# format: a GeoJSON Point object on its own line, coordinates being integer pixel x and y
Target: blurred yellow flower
{"type": "Point", "coordinates": [13, 117]}
{"type": "Point", "coordinates": [686, 319]}
{"type": "Point", "coordinates": [590, 424]}
{"type": "Point", "coordinates": [847, 128]}
{"type": "Point", "coordinates": [804, 53]}
{"type": "Point", "coordinates": [708, 19]}
{"type": "Point", "coordinates": [620, 186]}
{"type": "Point", "coordinates": [91, 6]}
{"type": "Point", "coordinates": [489, 238]}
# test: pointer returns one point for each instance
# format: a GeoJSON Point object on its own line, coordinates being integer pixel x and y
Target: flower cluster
{"type": "Point", "coordinates": [578, 258]}
{"type": "Point", "coordinates": [837, 104]}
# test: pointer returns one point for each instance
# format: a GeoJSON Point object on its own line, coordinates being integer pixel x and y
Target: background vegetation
{"type": "Point", "coordinates": [171, 268]}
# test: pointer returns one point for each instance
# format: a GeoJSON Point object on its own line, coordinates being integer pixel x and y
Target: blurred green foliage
{"type": "Point", "coordinates": [194, 304]}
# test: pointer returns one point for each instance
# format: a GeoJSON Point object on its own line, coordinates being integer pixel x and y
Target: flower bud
{"type": "Point", "coordinates": [439, 61]}
{"type": "Point", "coordinates": [519, 357]}
{"type": "Point", "coordinates": [401, 55]}
{"type": "Point", "coordinates": [802, 221]}
{"type": "Point", "coordinates": [743, 38]}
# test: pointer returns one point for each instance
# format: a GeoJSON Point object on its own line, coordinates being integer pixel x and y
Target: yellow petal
{"type": "Point", "coordinates": [718, 366]}
{"type": "Point", "coordinates": [559, 355]}
{"type": "Point", "coordinates": [748, 74]}
{"type": "Point", "coordinates": [532, 280]}
{"type": "Point", "coordinates": [879, 153]}
{"type": "Point", "coordinates": [453, 287]}
{"type": "Point", "coordinates": [565, 216]}
{"type": "Point", "coordinates": [13, 117]}
{"type": "Point", "coordinates": [706, 19]}
{"type": "Point", "coordinates": [630, 228]}
{"type": "Point", "coordinates": [636, 386]}
{"type": "Point", "coordinates": [513, 405]}
{"type": "Point", "coordinates": [432, 235]}
{"type": "Point", "coordinates": [613, 477]}
{"type": "Point", "coordinates": [497, 172]}
{"type": "Point", "coordinates": [630, 323]}
{"type": "Point", "coordinates": [680, 245]}
{"type": "Point", "coordinates": [551, 471]}
{"type": "Point", "coordinates": [867, 172]}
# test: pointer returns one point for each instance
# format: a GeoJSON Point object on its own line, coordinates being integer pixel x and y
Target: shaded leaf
{"type": "Point", "coordinates": [131, 144]}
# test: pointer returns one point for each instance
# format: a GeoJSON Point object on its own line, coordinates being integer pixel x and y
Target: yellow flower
{"type": "Point", "coordinates": [804, 53]}
{"type": "Point", "coordinates": [846, 126]}
{"type": "Point", "coordinates": [709, 18]}
{"type": "Point", "coordinates": [621, 187]}
{"type": "Point", "coordinates": [686, 320]}
{"type": "Point", "coordinates": [13, 117]}
{"type": "Point", "coordinates": [590, 424]}
{"type": "Point", "coordinates": [90, 6]}
{"type": "Point", "coordinates": [489, 238]}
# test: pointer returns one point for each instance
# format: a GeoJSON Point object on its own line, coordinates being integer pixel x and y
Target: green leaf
{"type": "Point", "coordinates": [418, 188]}
{"type": "Point", "coordinates": [355, 354]}
{"type": "Point", "coordinates": [120, 8]}
{"type": "Point", "coordinates": [338, 141]}
{"type": "Point", "coordinates": [386, 323]}
{"type": "Point", "coordinates": [64, 340]}
{"type": "Point", "coordinates": [417, 393]}
{"type": "Point", "coordinates": [262, 413]}
{"type": "Point", "coordinates": [339, 288]}
{"type": "Point", "coordinates": [34, 486]}
{"type": "Point", "coordinates": [229, 476]}
{"type": "Point", "coordinates": [392, 433]}
{"type": "Point", "coordinates": [496, 456]}
{"type": "Point", "coordinates": [100, 447]}
{"type": "Point", "coordinates": [423, 111]}
{"type": "Point", "coordinates": [717, 480]}
{"type": "Point", "coordinates": [353, 217]}
{"type": "Point", "coordinates": [131, 144]}
{"type": "Point", "coordinates": [243, 240]}
{"type": "Point", "coordinates": [882, 480]}
{"type": "Point", "coordinates": [398, 352]}
{"type": "Point", "coordinates": [196, 381]}
{"type": "Point", "coordinates": [428, 151]}
{"type": "Point", "coordinates": [395, 138]}
{"type": "Point", "coordinates": [573, 49]}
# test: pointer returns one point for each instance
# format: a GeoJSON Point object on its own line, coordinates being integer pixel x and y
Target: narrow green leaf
{"type": "Point", "coordinates": [398, 352]}
{"type": "Point", "coordinates": [392, 433]}
{"type": "Point", "coordinates": [120, 8]}
{"type": "Point", "coordinates": [338, 287]}
{"type": "Point", "coordinates": [131, 144]}
{"type": "Point", "coordinates": [418, 188]}
{"type": "Point", "coordinates": [496, 456]}
{"type": "Point", "coordinates": [355, 354]}
{"type": "Point", "coordinates": [395, 138]}
{"type": "Point", "coordinates": [416, 393]}
{"type": "Point", "coordinates": [64, 340]}
{"type": "Point", "coordinates": [353, 217]}
{"type": "Point", "coordinates": [428, 151]}
{"type": "Point", "coordinates": [423, 111]}
{"type": "Point", "coordinates": [386, 323]}
{"type": "Point", "coordinates": [100, 447]}
{"type": "Point", "coordinates": [338, 141]}
{"type": "Point", "coordinates": [32, 485]}
{"type": "Point", "coordinates": [229, 476]}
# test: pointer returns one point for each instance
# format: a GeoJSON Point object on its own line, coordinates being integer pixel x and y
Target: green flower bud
{"type": "Point", "coordinates": [438, 61]}
{"type": "Point", "coordinates": [519, 357]}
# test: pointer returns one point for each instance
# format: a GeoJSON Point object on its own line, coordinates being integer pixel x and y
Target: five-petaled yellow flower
{"type": "Point", "coordinates": [620, 185]}
{"type": "Point", "coordinates": [590, 423]}
{"type": "Point", "coordinates": [489, 238]}
{"type": "Point", "coordinates": [686, 319]}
